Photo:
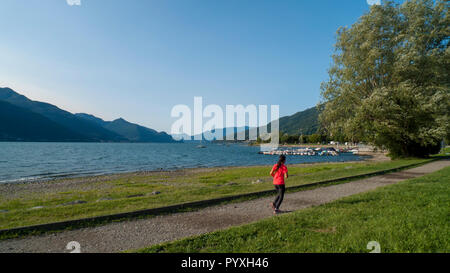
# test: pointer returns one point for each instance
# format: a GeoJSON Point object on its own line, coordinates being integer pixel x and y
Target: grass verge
{"type": "Point", "coordinates": [412, 216]}
{"type": "Point", "coordinates": [133, 192]}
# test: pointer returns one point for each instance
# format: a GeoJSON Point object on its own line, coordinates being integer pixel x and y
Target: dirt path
{"type": "Point", "coordinates": [143, 233]}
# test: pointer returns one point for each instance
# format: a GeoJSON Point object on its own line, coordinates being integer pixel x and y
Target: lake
{"type": "Point", "coordinates": [24, 161]}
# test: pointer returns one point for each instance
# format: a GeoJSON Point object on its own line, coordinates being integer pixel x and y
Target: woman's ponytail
{"type": "Point", "coordinates": [280, 162]}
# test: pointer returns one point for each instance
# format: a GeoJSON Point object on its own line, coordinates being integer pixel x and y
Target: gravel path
{"type": "Point", "coordinates": [143, 233]}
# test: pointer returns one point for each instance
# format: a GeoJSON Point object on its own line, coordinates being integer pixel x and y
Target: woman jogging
{"type": "Point", "coordinates": [279, 173]}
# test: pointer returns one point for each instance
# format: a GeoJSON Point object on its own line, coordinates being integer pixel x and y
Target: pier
{"type": "Point", "coordinates": [306, 152]}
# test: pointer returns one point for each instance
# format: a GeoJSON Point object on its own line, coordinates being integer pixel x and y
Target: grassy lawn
{"type": "Point", "coordinates": [412, 216]}
{"type": "Point", "coordinates": [134, 192]}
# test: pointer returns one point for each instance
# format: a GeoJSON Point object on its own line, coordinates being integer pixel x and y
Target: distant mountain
{"type": "Point", "coordinates": [80, 127]}
{"type": "Point", "coordinates": [182, 137]}
{"type": "Point", "coordinates": [19, 115]}
{"type": "Point", "coordinates": [91, 118]}
{"type": "Point", "coordinates": [19, 124]}
{"type": "Point", "coordinates": [76, 124]}
{"type": "Point", "coordinates": [305, 122]}
{"type": "Point", "coordinates": [223, 132]}
{"type": "Point", "coordinates": [131, 131]}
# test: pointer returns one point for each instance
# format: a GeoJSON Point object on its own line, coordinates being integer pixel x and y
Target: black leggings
{"type": "Point", "coordinates": [280, 190]}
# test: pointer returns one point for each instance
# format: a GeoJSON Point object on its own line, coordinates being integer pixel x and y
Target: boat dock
{"type": "Point", "coordinates": [306, 152]}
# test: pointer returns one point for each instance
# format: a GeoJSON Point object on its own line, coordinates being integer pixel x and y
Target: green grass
{"type": "Point", "coordinates": [412, 216]}
{"type": "Point", "coordinates": [175, 188]}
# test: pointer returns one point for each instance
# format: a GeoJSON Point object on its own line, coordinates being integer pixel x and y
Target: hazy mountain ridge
{"type": "Point", "coordinates": [62, 117]}
{"type": "Point", "coordinates": [20, 124]}
{"type": "Point", "coordinates": [66, 126]}
{"type": "Point", "coordinates": [133, 132]}
{"type": "Point", "coordinates": [83, 127]}
{"type": "Point", "coordinates": [304, 122]}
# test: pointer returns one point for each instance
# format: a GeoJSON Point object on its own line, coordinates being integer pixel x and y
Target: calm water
{"type": "Point", "coordinates": [37, 161]}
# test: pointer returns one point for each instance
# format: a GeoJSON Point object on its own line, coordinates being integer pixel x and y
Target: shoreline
{"type": "Point", "coordinates": [78, 198]}
{"type": "Point", "coordinates": [108, 176]}
{"type": "Point", "coordinates": [61, 202]}
{"type": "Point", "coordinates": [95, 172]}
{"type": "Point", "coordinates": [35, 170]}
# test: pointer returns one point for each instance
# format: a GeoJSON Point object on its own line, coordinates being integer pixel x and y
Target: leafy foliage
{"type": "Point", "coordinates": [389, 84]}
{"type": "Point", "coordinates": [303, 139]}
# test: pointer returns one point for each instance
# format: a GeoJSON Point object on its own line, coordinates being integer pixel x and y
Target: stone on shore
{"type": "Point", "coordinates": [36, 208]}
{"type": "Point", "coordinates": [259, 181]}
{"type": "Point", "coordinates": [77, 202]}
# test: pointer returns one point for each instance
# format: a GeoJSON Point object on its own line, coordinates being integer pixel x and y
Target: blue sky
{"type": "Point", "coordinates": [136, 59]}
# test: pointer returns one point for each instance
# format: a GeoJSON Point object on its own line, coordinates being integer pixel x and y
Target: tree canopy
{"type": "Point", "coordinates": [389, 82]}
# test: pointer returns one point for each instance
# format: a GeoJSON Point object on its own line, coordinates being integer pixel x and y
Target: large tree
{"type": "Point", "coordinates": [389, 82]}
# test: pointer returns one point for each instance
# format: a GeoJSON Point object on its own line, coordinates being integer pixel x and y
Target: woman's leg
{"type": "Point", "coordinates": [278, 189]}
{"type": "Point", "coordinates": [281, 190]}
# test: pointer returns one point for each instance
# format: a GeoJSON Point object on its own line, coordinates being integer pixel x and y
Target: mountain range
{"type": "Point", "coordinates": [223, 132]}
{"type": "Point", "coordinates": [22, 119]}
{"type": "Point", "coordinates": [304, 122]}
{"type": "Point", "coordinates": [131, 131]}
